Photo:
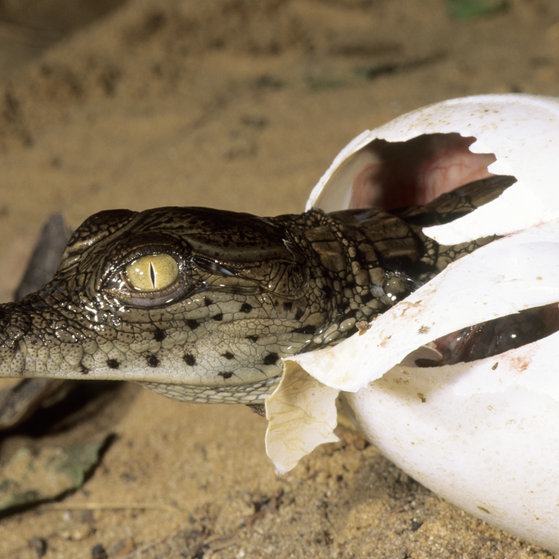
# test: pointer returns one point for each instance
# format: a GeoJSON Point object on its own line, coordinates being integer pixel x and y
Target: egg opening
{"type": "Point", "coordinates": [389, 175]}
{"type": "Point", "coordinates": [414, 172]}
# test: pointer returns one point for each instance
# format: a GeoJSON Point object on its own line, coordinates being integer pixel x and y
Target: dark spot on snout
{"type": "Point", "coordinates": [252, 338]}
{"type": "Point", "coordinates": [189, 359]}
{"type": "Point", "coordinates": [271, 358]}
{"type": "Point", "coordinates": [83, 369]}
{"type": "Point", "coordinates": [246, 308]}
{"type": "Point", "coordinates": [326, 291]}
{"type": "Point", "coordinates": [218, 316]}
{"type": "Point", "coordinates": [192, 324]}
{"type": "Point", "coordinates": [228, 355]}
{"type": "Point", "coordinates": [299, 314]}
{"type": "Point", "coordinates": [152, 360]}
{"type": "Point", "coordinates": [159, 335]}
{"type": "Point", "coordinates": [225, 374]}
{"type": "Point", "coordinates": [207, 301]}
{"type": "Point", "coordinates": [113, 363]}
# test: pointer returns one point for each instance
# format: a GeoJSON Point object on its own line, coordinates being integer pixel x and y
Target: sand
{"type": "Point", "coordinates": [240, 105]}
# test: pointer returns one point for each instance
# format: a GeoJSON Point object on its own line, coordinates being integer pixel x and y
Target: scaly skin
{"type": "Point", "coordinates": [248, 291]}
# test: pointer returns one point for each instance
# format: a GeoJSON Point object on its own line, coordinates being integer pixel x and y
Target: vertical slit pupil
{"type": "Point", "coordinates": [152, 275]}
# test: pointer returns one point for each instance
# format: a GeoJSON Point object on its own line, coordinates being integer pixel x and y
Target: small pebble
{"type": "Point", "coordinates": [39, 546]}
{"type": "Point", "coordinates": [98, 552]}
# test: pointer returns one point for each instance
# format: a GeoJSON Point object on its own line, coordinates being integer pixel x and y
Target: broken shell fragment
{"type": "Point", "coordinates": [457, 383]}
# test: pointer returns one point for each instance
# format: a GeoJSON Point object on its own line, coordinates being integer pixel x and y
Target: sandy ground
{"type": "Point", "coordinates": [240, 105]}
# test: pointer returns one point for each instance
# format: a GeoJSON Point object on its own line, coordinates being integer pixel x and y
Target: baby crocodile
{"type": "Point", "coordinates": [202, 304]}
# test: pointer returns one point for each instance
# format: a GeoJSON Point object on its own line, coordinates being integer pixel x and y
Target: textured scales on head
{"type": "Point", "coordinates": [202, 304]}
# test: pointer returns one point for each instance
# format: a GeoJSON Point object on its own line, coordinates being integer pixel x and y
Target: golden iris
{"type": "Point", "coordinates": [152, 272]}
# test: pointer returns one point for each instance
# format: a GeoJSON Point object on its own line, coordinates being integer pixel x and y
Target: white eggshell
{"type": "Point", "coordinates": [480, 434]}
{"type": "Point", "coordinates": [491, 452]}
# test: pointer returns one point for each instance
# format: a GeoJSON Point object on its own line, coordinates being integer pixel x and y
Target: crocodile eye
{"type": "Point", "coordinates": [152, 272]}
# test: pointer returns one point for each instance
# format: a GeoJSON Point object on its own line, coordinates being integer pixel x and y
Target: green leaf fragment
{"type": "Point", "coordinates": [469, 9]}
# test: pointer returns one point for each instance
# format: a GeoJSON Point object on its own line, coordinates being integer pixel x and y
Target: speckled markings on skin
{"type": "Point", "coordinates": [203, 304]}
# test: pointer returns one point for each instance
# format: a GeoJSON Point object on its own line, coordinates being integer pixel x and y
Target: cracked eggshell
{"type": "Point", "coordinates": [521, 132]}
{"type": "Point", "coordinates": [479, 434]}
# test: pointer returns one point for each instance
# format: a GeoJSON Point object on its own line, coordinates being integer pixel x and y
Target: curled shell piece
{"type": "Point", "coordinates": [478, 432]}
